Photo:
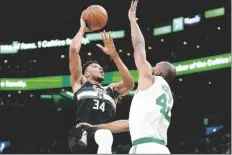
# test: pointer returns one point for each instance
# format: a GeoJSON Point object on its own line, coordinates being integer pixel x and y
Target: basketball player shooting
{"type": "Point", "coordinates": [95, 104]}
{"type": "Point", "coordinates": [151, 106]}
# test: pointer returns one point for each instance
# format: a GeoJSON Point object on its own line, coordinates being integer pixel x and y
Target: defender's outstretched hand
{"type": "Point", "coordinates": [109, 48]}
{"type": "Point", "coordinates": [132, 10]}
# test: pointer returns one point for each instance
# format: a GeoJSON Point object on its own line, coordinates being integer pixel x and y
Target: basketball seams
{"type": "Point", "coordinates": [106, 17]}
{"type": "Point", "coordinates": [96, 19]}
{"type": "Point", "coordinates": [90, 14]}
{"type": "Point", "coordinates": [89, 24]}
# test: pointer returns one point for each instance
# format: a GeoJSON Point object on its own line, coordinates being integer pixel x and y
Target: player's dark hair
{"type": "Point", "coordinates": [84, 67]}
{"type": "Point", "coordinates": [168, 71]}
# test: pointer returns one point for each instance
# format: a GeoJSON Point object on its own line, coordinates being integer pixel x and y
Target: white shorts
{"type": "Point", "coordinates": [149, 148]}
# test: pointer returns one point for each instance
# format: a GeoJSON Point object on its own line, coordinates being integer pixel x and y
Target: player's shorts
{"type": "Point", "coordinates": [81, 140]}
{"type": "Point", "coordinates": [148, 145]}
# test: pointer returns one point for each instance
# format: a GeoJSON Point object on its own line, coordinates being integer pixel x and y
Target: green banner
{"type": "Point", "coordinates": [184, 67]}
{"type": "Point", "coordinates": [178, 24]}
{"type": "Point", "coordinates": [16, 46]}
{"type": "Point", "coordinates": [116, 76]}
{"type": "Point", "coordinates": [203, 64]}
{"type": "Point", "coordinates": [162, 30]}
{"type": "Point", "coordinates": [215, 12]}
{"type": "Point", "coordinates": [97, 36]}
{"type": "Point", "coordinates": [31, 83]}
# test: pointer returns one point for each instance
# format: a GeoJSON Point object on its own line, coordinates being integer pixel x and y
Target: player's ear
{"type": "Point", "coordinates": [86, 74]}
{"type": "Point", "coordinates": [158, 73]}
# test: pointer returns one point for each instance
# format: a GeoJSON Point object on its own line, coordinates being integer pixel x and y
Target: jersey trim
{"type": "Point", "coordinates": [83, 85]}
{"type": "Point", "coordinates": [147, 140]}
{"type": "Point", "coordinates": [94, 94]}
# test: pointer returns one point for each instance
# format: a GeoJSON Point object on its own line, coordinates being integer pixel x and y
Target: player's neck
{"type": "Point", "coordinates": [93, 81]}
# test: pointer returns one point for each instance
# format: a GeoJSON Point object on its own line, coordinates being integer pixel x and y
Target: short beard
{"type": "Point", "coordinates": [98, 79]}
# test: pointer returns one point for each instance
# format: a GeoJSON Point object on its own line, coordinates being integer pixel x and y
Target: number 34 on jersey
{"type": "Point", "coordinates": [99, 106]}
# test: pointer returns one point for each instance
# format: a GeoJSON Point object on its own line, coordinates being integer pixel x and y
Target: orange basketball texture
{"type": "Point", "coordinates": [95, 17]}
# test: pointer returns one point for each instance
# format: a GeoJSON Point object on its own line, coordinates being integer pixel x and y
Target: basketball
{"type": "Point", "coordinates": [95, 17]}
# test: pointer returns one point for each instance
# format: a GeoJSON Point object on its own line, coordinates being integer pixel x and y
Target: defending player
{"type": "Point", "coordinates": [153, 99]}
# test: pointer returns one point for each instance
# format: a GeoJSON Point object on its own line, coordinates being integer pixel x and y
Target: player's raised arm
{"type": "Point", "coordinates": [138, 42]}
{"type": "Point", "coordinates": [75, 68]}
{"type": "Point", "coordinates": [127, 84]}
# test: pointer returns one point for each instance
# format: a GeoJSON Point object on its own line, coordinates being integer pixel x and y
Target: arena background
{"type": "Point", "coordinates": [36, 107]}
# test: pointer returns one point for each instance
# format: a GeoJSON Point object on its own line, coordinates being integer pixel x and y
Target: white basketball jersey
{"type": "Point", "coordinates": [150, 111]}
